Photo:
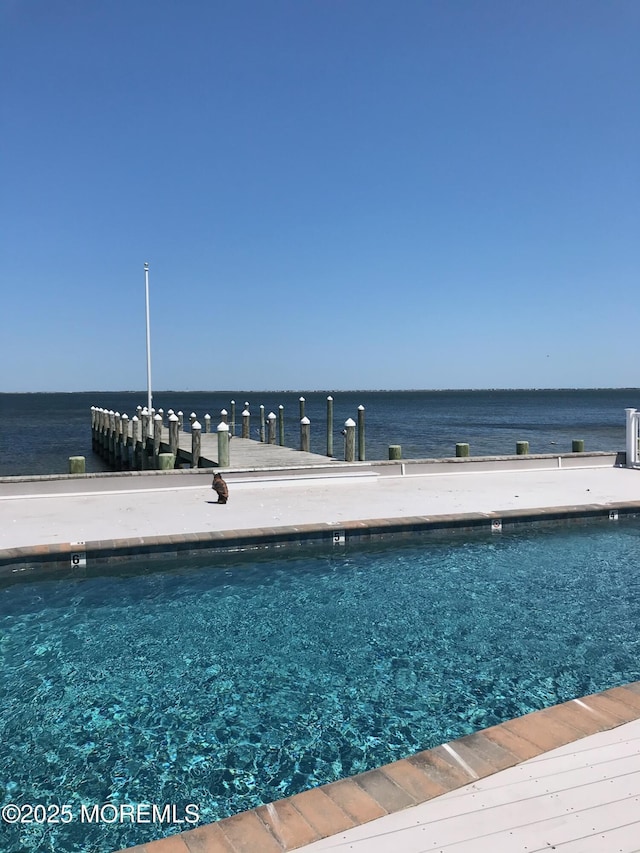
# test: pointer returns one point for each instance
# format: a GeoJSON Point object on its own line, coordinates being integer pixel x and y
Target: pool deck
{"type": "Point", "coordinates": [564, 778]}
{"type": "Point", "coordinates": [172, 514]}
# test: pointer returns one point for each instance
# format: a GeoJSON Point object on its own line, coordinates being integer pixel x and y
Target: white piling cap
{"type": "Point", "coordinates": [271, 416]}
{"type": "Point", "coordinates": [157, 417]}
{"type": "Point", "coordinates": [281, 406]}
{"type": "Point", "coordinates": [144, 411]}
{"type": "Point", "coordinates": [233, 402]}
{"type": "Point", "coordinates": [207, 416]}
{"type": "Point", "coordinates": [302, 399]}
{"type": "Point", "coordinates": [173, 418]}
{"type": "Point", "coordinates": [349, 422]}
{"type": "Point", "coordinates": [223, 412]}
{"type": "Point", "coordinates": [125, 416]}
{"type": "Point", "coordinates": [117, 414]}
{"type": "Point", "coordinates": [329, 397]}
{"type": "Point", "coordinates": [245, 413]}
{"type": "Point", "coordinates": [170, 412]}
{"type": "Point", "coordinates": [193, 415]}
{"type": "Point", "coordinates": [305, 421]}
{"type": "Point", "coordinates": [222, 427]}
{"type": "Point", "coordinates": [361, 408]}
{"type": "Point", "coordinates": [135, 418]}
{"type": "Point", "coordinates": [180, 413]}
{"type": "Point", "coordinates": [196, 425]}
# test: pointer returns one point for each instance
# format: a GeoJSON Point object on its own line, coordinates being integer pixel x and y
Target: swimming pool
{"type": "Point", "coordinates": [233, 683]}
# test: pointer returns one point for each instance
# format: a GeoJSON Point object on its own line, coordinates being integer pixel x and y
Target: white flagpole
{"type": "Point", "coordinates": [146, 290]}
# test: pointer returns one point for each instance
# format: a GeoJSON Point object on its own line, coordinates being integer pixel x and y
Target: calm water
{"type": "Point", "coordinates": [231, 685]}
{"type": "Point", "coordinates": [38, 432]}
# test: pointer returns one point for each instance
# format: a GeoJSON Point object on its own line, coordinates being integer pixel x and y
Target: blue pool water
{"type": "Point", "coordinates": [231, 684]}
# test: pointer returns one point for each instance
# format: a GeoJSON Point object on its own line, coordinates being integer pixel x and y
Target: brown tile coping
{"type": "Point", "coordinates": [218, 541]}
{"type": "Point", "coordinates": [329, 809]}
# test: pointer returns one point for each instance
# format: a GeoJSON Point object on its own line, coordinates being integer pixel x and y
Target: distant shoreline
{"type": "Point", "coordinates": [334, 390]}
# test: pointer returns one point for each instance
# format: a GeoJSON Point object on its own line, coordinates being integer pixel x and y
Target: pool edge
{"type": "Point", "coordinates": [62, 556]}
{"type": "Point", "coordinates": [293, 822]}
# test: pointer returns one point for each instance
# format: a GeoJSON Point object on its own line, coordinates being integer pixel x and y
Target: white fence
{"type": "Point", "coordinates": [633, 423]}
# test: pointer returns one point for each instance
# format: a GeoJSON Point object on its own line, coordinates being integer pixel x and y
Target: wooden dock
{"type": "Point", "coordinates": [124, 446]}
{"type": "Point", "coordinates": [243, 453]}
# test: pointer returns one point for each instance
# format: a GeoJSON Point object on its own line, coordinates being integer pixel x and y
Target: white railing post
{"type": "Point", "coordinates": [632, 438]}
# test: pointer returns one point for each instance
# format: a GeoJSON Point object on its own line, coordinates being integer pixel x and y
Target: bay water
{"type": "Point", "coordinates": [39, 431]}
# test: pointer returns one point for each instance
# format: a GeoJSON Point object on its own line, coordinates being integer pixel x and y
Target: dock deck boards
{"type": "Point", "coordinates": [245, 453]}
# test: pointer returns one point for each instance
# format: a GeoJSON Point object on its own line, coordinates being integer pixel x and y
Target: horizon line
{"type": "Point", "coordinates": [336, 391]}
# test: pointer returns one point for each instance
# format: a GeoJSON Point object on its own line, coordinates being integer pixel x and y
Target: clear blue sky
{"type": "Point", "coordinates": [331, 194]}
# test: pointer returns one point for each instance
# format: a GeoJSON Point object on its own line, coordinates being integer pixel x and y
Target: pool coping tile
{"type": "Point", "coordinates": [384, 790]}
{"type": "Point", "coordinates": [410, 778]}
{"type": "Point", "coordinates": [436, 764]}
{"type": "Point", "coordinates": [522, 748]}
{"type": "Point", "coordinates": [208, 838]}
{"type": "Point", "coordinates": [582, 718]}
{"type": "Point", "coordinates": [246, 833]}
{"type": "Point", "coordinates": [322, 812]}
{"type": "Point", "coordinates": [624, 695]}
{"type": "Point", "coordinates": [354, 800]}
{"type": "Point", "coordinates": [544, 732]}
{"type": "Point", "coordinates": [287, 824]}
{"type": "Point", "coordinates": [613, 707]}
{"type": "Point", "coordinates": [490, 753]}
{"type": "Point", "coordinates": [161, 545]}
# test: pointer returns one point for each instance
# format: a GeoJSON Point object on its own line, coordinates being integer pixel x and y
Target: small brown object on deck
{"type": "Point", "coordinates": [221, 489]}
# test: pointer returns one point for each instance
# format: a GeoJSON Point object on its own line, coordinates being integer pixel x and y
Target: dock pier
{"type": "Point", "coordinates": [149, 442]}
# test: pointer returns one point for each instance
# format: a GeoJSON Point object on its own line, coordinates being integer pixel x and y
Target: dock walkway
{"type": "Point", "coordinates": [245, 452]}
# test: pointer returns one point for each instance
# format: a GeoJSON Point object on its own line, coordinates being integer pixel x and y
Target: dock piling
{"type": "Point", "coordinates": [349, 440]}
{"type": "Point", "coordinates": [361, 446]}
{"type": "Point", "coordinates": [77, 465]}
{"type": "Point", "coordinates": [136, 451]}
{"type": "Point", "coordinates": [271, 428]}
{"type": "Point", "coordinates": [174, 428]}
{"type": "Point", "coordinates": [329, 426]}
{"type": "Point", "coordinates": [305, 434]}
{"type": "Point", "coordinates": [223, 445]}
{"type": "Point", "coordinates": [157, 438]}
{"type": "Point", "coordinates": [166, 461]}
{"type": "Point", "coordinates": [125, 454]}
{"type": "Point", "coordinates": [196, 442]}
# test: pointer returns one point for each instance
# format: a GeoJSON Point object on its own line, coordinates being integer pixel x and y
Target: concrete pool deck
{"type": "Point", "coordinates": [44, 519]}
{"type": "Point", "coordinates": [454, 797]}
